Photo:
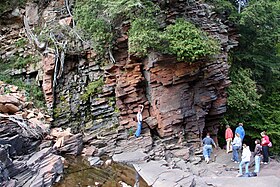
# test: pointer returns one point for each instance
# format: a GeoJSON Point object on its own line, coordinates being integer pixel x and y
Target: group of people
{"type": "Point", "coordinates": [235, 144]}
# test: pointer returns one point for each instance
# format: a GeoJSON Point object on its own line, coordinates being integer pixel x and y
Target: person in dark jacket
{"type": "Point", "coordinates": [257, 154]}
{"type": "Point", "coordinates": [207, 147]}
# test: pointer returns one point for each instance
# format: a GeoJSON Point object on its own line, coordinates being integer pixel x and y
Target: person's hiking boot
{"type": "Point", "coordinates": [238, 175]}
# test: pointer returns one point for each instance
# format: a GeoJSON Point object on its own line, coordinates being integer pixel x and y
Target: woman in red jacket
{"type": "Point", "coordinates": [229, 136]}
{"type": "Point", "coordinates": [264, 144]}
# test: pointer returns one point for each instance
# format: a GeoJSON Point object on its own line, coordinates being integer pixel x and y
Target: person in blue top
{"type": "Point", "coordinates": [240, 130]}
{"type": "Point", "coordinates": [207, 147]}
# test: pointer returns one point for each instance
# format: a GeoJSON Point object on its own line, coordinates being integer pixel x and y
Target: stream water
{"type": "Point", "coordinates": [80, 174]}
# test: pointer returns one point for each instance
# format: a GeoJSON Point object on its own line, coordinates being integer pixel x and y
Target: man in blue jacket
{"type": "Point", "coordinates": [240, 130]}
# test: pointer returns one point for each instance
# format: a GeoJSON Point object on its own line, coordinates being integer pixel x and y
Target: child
{"type": "Point", "coordinates": [246, 155]}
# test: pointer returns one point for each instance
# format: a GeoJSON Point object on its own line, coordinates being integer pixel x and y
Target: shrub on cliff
{"type": "Point", "coordinates": [93, 88]}
{"type": "Point", "coordinates": [99, 18]}
{"type": "Point", "coordinates": [181, 39]}
{"type": "Point", "coordinates": [144, 35]}
{"type": "Point", "coordinates": [188, 42]}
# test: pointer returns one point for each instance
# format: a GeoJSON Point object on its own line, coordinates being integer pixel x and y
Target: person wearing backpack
{"type": "Point", "coordinates": [265, 147]}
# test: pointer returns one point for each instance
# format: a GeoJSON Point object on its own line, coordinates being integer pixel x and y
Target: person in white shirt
{"type": "Point", "coordinates": [139, 121]}
{"type": "Point", "coordinates": [246, 156]}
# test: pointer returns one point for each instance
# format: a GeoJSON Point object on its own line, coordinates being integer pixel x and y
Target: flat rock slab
{"type": "Point", "coordinates": [269, 181]}
{"type": "Point", "coordinates": [130, 157]}
{"type": "Point", "coordinates": [157, 174]}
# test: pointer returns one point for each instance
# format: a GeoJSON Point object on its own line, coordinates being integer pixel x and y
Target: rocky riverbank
{"type": "Point", "coordinates": [29, 151]}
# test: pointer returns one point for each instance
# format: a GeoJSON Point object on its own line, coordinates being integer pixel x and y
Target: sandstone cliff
{"type": "Point", "coordinates": [89, 93]}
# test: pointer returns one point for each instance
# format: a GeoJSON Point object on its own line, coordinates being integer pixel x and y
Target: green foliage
{"type": "Point", "coordinates": [259, 28]}
{"type": "Point", "coordinates": [10, 4]}
{"type": "Point", "coordinates": [21, 42]}
{"type": "Point", "coordinates": [243, 95]}
{"type": "Point", "coordinates": [32, 91]}
{"type": "Point", "coordinates": [258, 51]}
{"type": "Point", "coordinates": [225, 7]}
{"type": "Point", "coordinates": [182, 39]}
{"type": "Point", "coordinates": [99, 18]}
{"type": "Point", "coordinates": [188, 42]}
{"type": "Point", "coordinates": [93, 88]}
{"type": "Point", "coordinates": [21, 62]}
{"type": "Point", "coordinates": [144, 35]}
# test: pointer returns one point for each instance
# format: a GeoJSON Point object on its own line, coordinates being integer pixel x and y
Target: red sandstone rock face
{"type": "Point", "coordinates": [182, 95]}
{"type": "Point", "coordinates": [48, 68]}
{"type": "Point", "coordinates": [178, 96]}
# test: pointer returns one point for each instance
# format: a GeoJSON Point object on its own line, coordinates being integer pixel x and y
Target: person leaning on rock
{"type": "Point", "coordinates": [207, 147]}
{"type": "Point", "coordinates": [139, 121]}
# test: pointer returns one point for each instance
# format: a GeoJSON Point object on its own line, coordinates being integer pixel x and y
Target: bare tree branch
{"type": "Point", "coordinates": [32, 38]}
{"type": "Point", "coordinates": [68, 9]}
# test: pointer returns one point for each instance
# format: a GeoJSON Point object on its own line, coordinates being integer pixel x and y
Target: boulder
{"type": "Point", "coordinates": [3, 108]}
{"type": "Point", "coordinates": [11, 108]}
{"type": "Point", "coordinates": [9, 99]}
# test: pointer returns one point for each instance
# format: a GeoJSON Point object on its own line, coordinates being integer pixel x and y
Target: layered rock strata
{"type": "Point", "coordinates": [92, 93]}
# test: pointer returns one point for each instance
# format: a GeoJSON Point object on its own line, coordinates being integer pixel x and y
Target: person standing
{"type": "Point", "coordinates": [246, 155]}
{"type": "Point", "coordinates": [236, 145]}
{"type": "Point", "coordinates": [207, 147]}
{"type": "Point", "coordinates": [240, 130]}
{"type": "Point", "coordinates": [257, 155]}
{"type": "Point", "coordinates": [264, 143]}
{"type": "Point", "coordinates": [228, 136]}
{"type": "Point", "coordinates": [139, 121]}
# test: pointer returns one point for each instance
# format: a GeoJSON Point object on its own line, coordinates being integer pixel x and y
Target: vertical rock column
{"type": "Point", "coordinates": [48, 69]}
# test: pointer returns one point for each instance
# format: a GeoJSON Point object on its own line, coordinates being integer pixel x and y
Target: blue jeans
{"type": "Point", "coordinates": [257, 164]}
{"type": "Point", "coordinates": [246, 167]}
{"type": "Point", "coordinates": [138, 131]}
{"type": "Point", "coordinates": [207, 150]}
{"type": "Point", "coordinates": [235, 150]}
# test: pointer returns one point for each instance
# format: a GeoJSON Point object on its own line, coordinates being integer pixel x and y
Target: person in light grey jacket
{"type": "Point", "coordinates": [236, 145]}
